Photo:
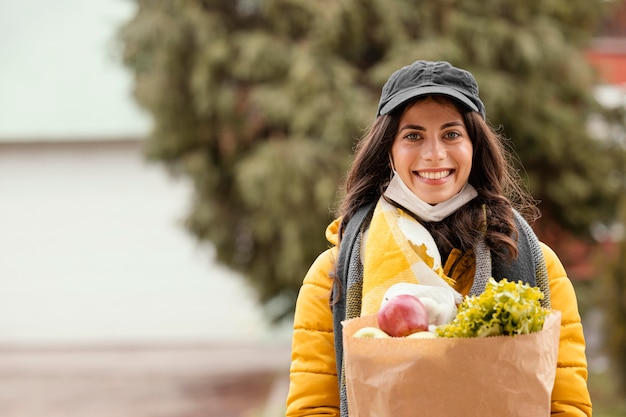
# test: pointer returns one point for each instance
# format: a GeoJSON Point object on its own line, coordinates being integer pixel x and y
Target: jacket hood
{"type": "Point", "coordinates": [332, 231]}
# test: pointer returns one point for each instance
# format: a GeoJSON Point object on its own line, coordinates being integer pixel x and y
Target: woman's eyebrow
{"type": "Point", "coordinates": [412, 127]}
{"type": "Point", "coordinates": [418, 127]}
{"type": "Point", "coordinates": [451, 124]}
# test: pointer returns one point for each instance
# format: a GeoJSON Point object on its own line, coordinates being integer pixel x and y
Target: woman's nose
{"type": "Point", "coordinates": [434, 150]}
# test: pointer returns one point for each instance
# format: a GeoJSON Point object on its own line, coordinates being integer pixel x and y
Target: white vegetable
{"type": "Point", "coordinates": [439, 302]}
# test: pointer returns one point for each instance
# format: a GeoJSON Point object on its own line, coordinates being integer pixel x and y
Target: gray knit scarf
{"type": "Point", "coordinates": [529, 267]}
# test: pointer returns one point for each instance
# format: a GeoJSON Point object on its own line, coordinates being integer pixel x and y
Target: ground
{"type": "Point", "coordinates": [164, 381]}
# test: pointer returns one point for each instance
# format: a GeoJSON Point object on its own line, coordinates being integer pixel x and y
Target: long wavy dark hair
{"type": "Point", "coordinates": [493, 175]}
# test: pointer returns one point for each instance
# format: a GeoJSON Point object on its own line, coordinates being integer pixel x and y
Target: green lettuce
{"type": "Point", "coordinates": [504, 308]}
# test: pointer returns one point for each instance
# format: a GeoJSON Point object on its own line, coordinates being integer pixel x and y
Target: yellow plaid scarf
{"type": "Point", "coordinates": [398, 249]}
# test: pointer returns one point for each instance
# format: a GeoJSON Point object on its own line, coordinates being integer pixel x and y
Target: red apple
{"type": "Point", "coordinates": [402, 315]}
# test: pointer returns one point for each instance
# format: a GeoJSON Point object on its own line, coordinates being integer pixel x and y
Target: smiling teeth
{"type": "Point", "coordinates": [434, 175]}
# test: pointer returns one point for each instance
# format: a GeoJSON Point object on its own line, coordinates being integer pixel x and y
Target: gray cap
{"type": "Point", "coordinates": [423, 78]}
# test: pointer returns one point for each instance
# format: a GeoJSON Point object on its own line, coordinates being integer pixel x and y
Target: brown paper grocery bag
{"type": "Point", "coordinates": [500, 376]}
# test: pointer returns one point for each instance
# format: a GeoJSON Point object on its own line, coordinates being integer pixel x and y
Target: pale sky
{"type": "Point", "coordinates": [59, 71]}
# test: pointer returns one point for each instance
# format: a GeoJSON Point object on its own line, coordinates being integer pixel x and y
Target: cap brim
{"type": "Point", "coordinates": [410, 93]}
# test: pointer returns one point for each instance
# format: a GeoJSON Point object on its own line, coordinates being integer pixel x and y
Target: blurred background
{"type": "Point", "coordinates": [107, 306]}
{"type": "Point", "coordinates": [168, 168]}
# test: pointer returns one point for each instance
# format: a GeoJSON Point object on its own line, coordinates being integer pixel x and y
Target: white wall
{"type": "Point", "coordinates": [92, 250]}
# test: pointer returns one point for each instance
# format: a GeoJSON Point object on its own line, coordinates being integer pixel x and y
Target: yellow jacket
{"type": "Point", "coordinates": [314, 390]}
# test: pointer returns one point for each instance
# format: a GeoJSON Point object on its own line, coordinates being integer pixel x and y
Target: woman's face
{"type": "Point", "coordinates": [432, 151]}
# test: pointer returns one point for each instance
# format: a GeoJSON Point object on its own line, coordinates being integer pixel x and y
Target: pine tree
{"type": "Point", "coordinates": [259, 103]}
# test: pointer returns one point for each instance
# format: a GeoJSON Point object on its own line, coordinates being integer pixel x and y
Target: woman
{"type": "Point", "coordinates": [431, 154]}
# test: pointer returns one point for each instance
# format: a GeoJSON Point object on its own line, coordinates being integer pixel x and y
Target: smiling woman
{"type": "Point", "coordinates": [429, 160]}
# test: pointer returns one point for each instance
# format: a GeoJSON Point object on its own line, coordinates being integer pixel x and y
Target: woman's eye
{"type": "Point", "coordinates": [412, 136]}
{"type": "Point", "coordinates": [452, 135]}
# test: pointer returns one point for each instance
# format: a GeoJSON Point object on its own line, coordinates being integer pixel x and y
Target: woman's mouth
{"type": "Point", "coordinates": [434, 175]}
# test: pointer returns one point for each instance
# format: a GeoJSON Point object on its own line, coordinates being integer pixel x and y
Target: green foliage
{"type": "Point", "coordinates": [259, 103]}
{"type": "Point", "coordinates": [615, 309]}
{"type": "Point", "coordinates": [505, 308]}
{"type": "Point", "coordinates": [607, 401]}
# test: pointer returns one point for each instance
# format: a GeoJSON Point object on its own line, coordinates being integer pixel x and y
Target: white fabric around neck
{"type": "Point", "coordinates": [398, 192]}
